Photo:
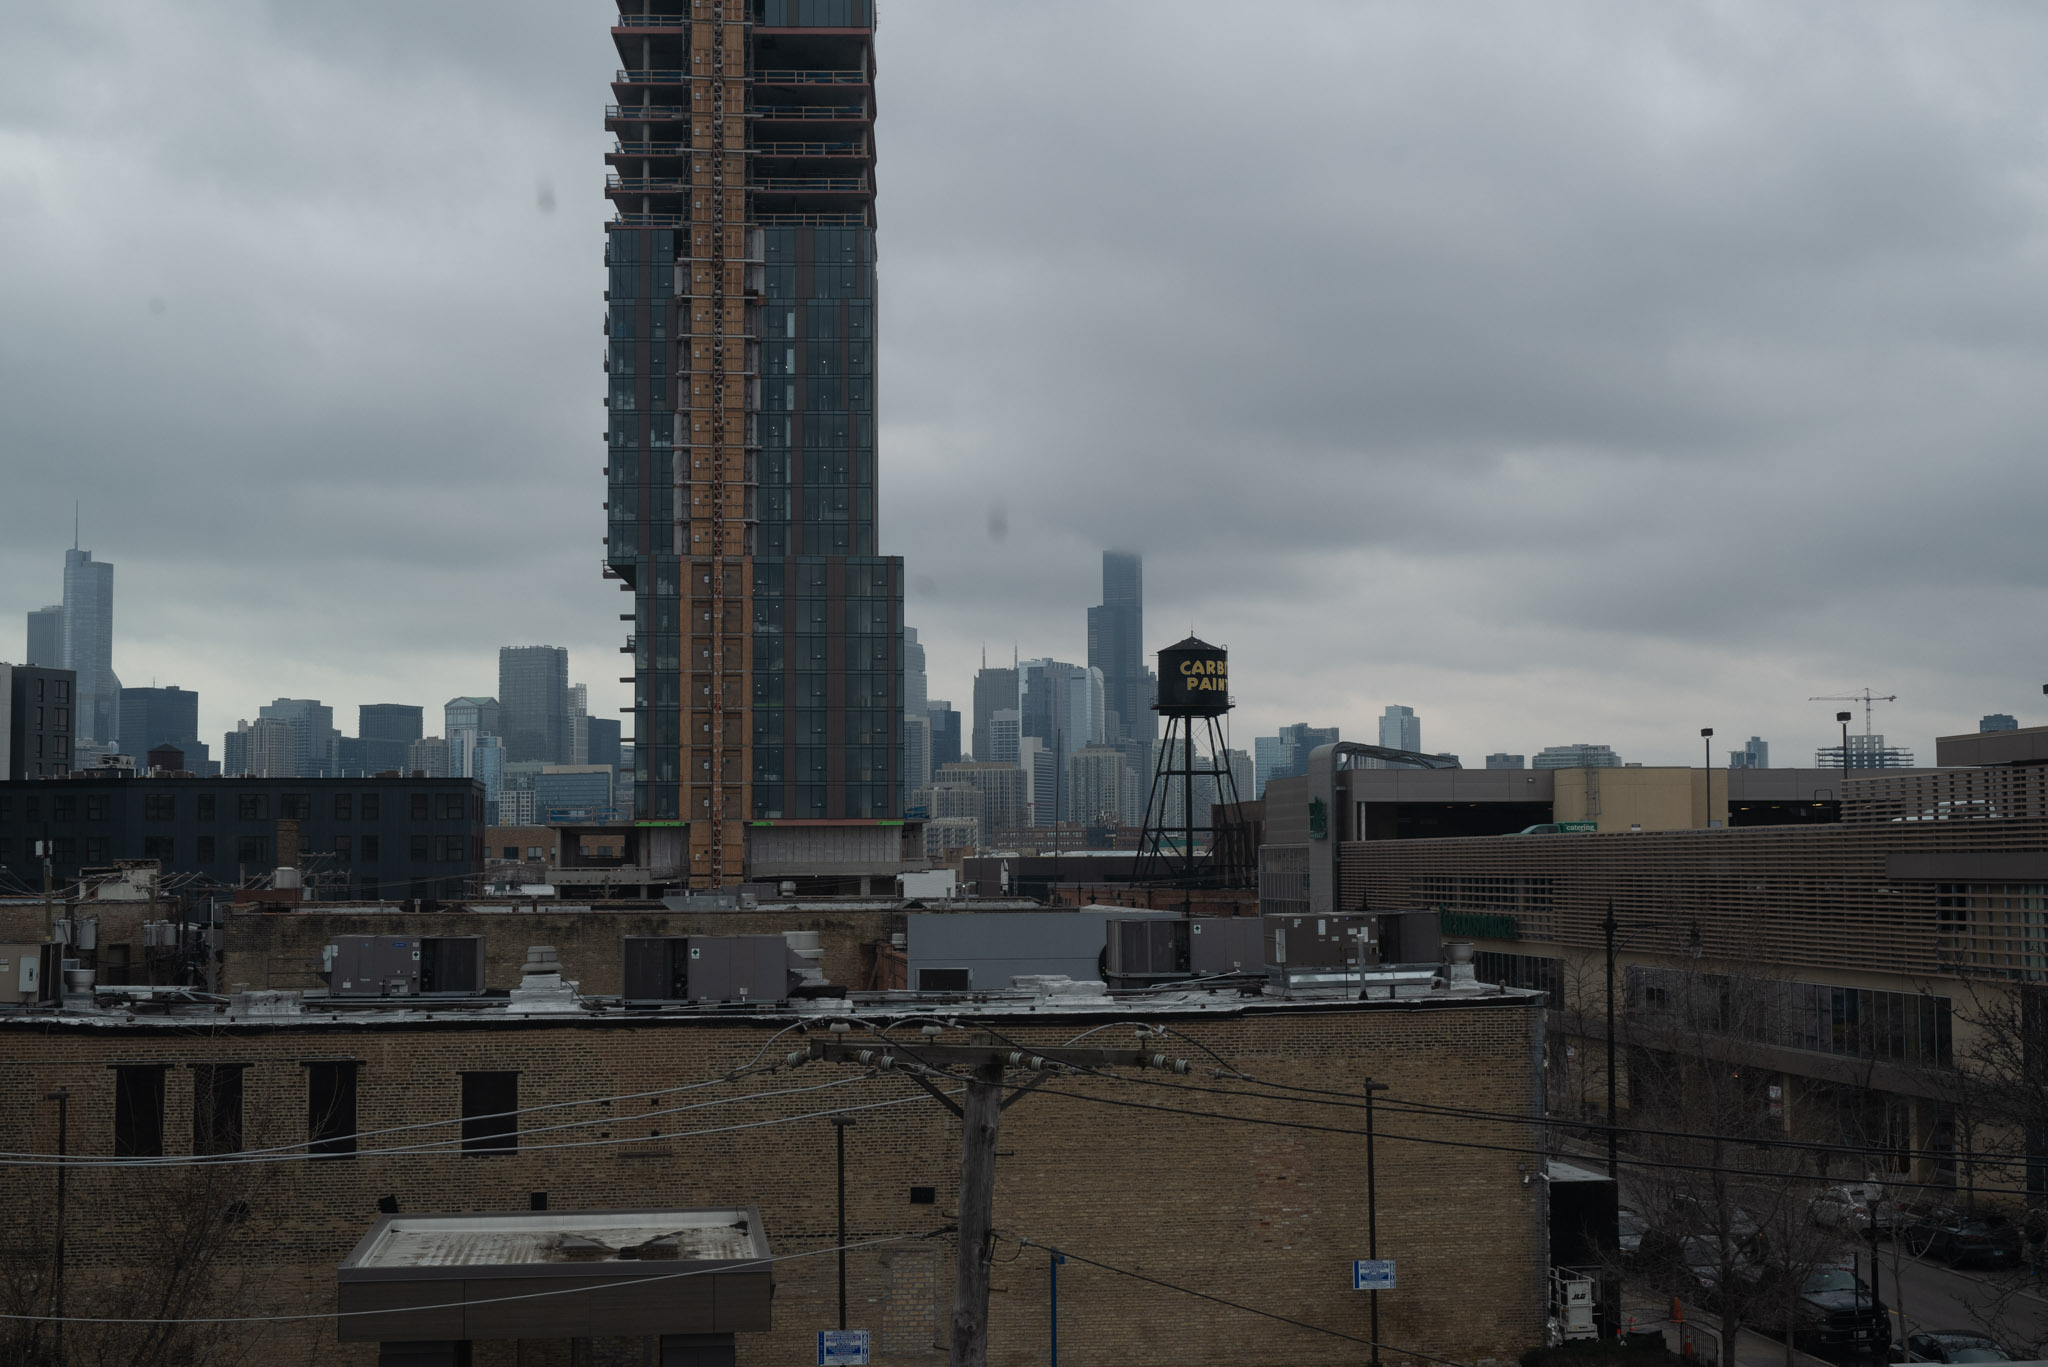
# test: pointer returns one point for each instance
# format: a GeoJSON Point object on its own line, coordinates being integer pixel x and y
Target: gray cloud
{"type": "Point", "coordinates": [1594, 371]}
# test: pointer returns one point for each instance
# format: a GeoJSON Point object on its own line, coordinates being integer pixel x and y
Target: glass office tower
{"type": "Point", "coordinates": [741, 437]}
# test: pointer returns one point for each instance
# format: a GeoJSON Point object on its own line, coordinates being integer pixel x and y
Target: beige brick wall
{"type": "Point", "coordinates": [1269, 1216]}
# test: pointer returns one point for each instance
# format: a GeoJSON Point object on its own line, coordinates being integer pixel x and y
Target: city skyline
{"type": "Point", "coordinates": [1480, 614]}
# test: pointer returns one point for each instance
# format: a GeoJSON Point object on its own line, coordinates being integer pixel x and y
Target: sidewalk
{"type": "Point", "coordinates": [1703, 1331]}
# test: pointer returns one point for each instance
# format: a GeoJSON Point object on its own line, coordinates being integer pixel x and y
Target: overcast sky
{"type": "Point", "coordinates": [1565, 371]}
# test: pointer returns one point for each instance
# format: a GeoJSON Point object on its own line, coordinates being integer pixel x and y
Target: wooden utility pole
{"type": "Point", "coordinates": [983, 1066]}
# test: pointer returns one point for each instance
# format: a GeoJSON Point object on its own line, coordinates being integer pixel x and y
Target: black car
{"type": "Point", "coordinates": [1834, 1314]}
{"type": "Point", "coordinates": [1954, 1345]}
{"type": "Point", "coordinates": [1961, 1237]}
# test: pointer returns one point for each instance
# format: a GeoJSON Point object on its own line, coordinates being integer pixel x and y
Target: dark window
{"type": "Point", "coordinates": [331, 1109]}
{"type": "Point", "coordinates": [96, 849]}
{"type": "Point", "coordinates": [64, 849]}
{"type": "Point", "coordinates": [451, 805]}
{"type": "Point", "coordinates": [159, 807]}
{"type": "Point", "coordinates": [369, 806]}
{"type": "Point", "coordinates": [419, 806]}
{"type": "Point", "coordinates": [252, 849]}
{"type": "Point", "coordinates": [139, 1111]}
{"type": "Point", "coordinates": [206, 806]}
{"type": "Point", "coordinates": [159, 847]}
{"type": "Point", "coordinates": [344, 806]}
{"type": "Point", "coordinates": [216, 1108]}
{"type": "Point", "coordinates": [448, 849]}
{"type": "Point", "coordinates": [96, 808]}
{"type": "Point", "coordinates": [6, 809]}
{"type": "Point", "coordinates": [203, 850]}
{"type": "Point", "coordinates": [252, 807]}
{"type": "Point", "coordinates": [488, 1099]}
{"type": "Point", "coordinates": [419, 848]}
{"type": "Point", "coordinates": [344, 846]}
{"type": "Point", "coordinates": [511, 851]}
{"type": "Point", "coordinates": [924, 1196]}
{"type": "Point", "coordinates": [945, 979]}
{"type": "Point", "coordinates": [63, 809]}
{"type": "Point", "coordinates": [295, 806]}
{"type": "Point", "coordinates": [370, 849]}
{"type": "Point", "coordinates": [63, 689]}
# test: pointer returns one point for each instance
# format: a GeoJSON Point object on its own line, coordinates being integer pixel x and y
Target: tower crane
{"type": "Point", "coordinates": [1866, 697]}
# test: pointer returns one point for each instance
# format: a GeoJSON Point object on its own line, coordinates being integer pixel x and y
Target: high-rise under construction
{"type": "Point", "coordinates": [741, 437]}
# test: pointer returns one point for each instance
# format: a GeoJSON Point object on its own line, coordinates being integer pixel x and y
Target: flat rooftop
{"type": "Point", "coordinates": [579, 1237]}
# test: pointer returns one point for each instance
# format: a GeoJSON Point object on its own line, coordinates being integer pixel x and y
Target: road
{"type": "Point", "coordinates": [2009, 1305]}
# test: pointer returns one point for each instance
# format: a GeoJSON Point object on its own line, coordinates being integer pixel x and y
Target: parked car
{"type": "Point", "coordinates": [1848, 1207]}
{"type": "Point", "coordinates": [1962, 1237]}
{"type": "Point", "coordinates": [1834, 1312]}
{"type": "Point", "coordinates": [1630, 1228]}
{"type": "Point", "coordinates": [1954, 1345]}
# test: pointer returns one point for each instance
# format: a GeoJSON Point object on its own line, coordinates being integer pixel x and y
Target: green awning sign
{"type": "Point", "coordinates": [1318, 819]}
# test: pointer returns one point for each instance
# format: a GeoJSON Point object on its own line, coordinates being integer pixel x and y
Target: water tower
{"type": "Point", "coordinates": [1194, 834]}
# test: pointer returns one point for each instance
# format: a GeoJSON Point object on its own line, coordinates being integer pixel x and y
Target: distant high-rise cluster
{"type": "Point", "coordinates": [1286, 754]}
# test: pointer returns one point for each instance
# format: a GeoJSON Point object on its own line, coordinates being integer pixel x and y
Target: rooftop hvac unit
{"type": "Point", "coordinates": [654, 968]}
{"type": "Point", "coordinates": [741, 968]}
{"type": "Point", "coordinates": [404, 966]}
{"type": "Point", "coordinates": [1313, 944]}
{"type": "Point", "coordinates": [1225, 944]}
{"type": "Point", "coordinates": [1146, 950]}
{"type": "Point", "coordinates": [945, 980]}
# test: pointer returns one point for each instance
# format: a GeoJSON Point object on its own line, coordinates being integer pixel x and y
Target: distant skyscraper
{"type": "Point", "coordinates": [384, 730]}
{"type": "Point", "coordinates": [1994, 721]}
{"type": "Point", "coordinates": [1116, 646]}
{"type": "Point", "coordinates": [945, 732]}
{"type": "Point", "coordinates": [465, 721]}
{"type": "Point", "coordinates": [1062, 705]}
{"type": "Point", "coordinates": [533, 703]}
{"type": "Point", "coordinates": [1005, 742]}
{"type": "Point", "coordinates": [1501, 759]}
{"type": "Point", "coordinates": [913, 674]}
{"type": "Point", "coordinates": [994, 690]}
{"type": "Point", "coordinates": [1096, 783]}
{"type": "Point", "coordinates": [1754, 755]}
{"type": "Point", "coordinates": [161, 716]}
{"type": "Point", "coordinates": [46, 637]}
{"type": "Point", "coordinates": [427, 756]}
{"type": "Point", "coordinates": [1575, 757]}
{"type": "Point", "coordinates": [579, 724]}
{"type": "Point", "coordinates": [264, 748]}
{"type": "Point", "coordinates": [916, 764]}
{"type": "Point", "coordinates": [487, 766]}
{"type": "Point", "coordinates": [1400, 729]}
{"type": "Point", "coordinates": [315, 742]}
{"type": "Point", "coordinates": [604, 741]}
{"type": "Point", "coordinates": [1286, 755]}
{"type": "Point", "coordinates": [88, 645]}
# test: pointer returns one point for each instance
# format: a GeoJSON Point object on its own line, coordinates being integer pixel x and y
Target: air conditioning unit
{"type": "Point", "coordinates": [1300, 944]}
{"type": "Point", "coordinates": [404, 966]}
{"type": "Point", "coordinates": [1145, 950]}
{"type": "Point", "coordinates": [708, 968]}
{"type": "Point", "coordinates": [1225, 944]}
{"type": "Point", "coordinates": [654, 968]}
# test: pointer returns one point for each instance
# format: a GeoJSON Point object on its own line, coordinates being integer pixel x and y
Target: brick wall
{"type": "Point", "coordinates": [1265, 1215]}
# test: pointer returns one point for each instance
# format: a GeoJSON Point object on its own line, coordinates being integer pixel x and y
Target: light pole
{"type": "Point", "coordinates": [1613, 1111]}
{"type": "Point", "coordinates": [1372, 1211]}
{"type": "Point", "coordinates": [1843, 718]}
{"type": "Point", "coordinates": [839, 1124]}
{"type": "Point", "coordinates": [62, 1096]}
{"type": "Point", "coordinates": [1707, 773]}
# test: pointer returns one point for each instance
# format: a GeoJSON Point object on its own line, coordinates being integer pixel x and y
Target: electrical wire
{"type": "Point", "coordinates": [721, 1269]}
{"type": "Point", "coordinates": [1234, 1305]}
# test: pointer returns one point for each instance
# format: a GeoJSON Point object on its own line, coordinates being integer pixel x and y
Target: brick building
{"type": "Point", "coordinates": [1253, 1193]}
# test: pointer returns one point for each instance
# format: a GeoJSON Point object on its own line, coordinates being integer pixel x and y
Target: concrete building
{"type": "Point", "coordinates": [1097, 786]}
{"type": "Point", "coordinates": [604, 743]}
{"type": "Point", "coordinates": [315, 743]}
{"type": "Point", "coordinates": [264, 748]}
{"type": "Point", "coordinates": [1501, 759]}
{"type": "Point", "coordinates": [36, 713]}
{"type": "Point", "coordinates": [1865, 752]}
{"type": "Point", "coordinates": [1577, 756]}
{"type": "Point", "coordinates": [1004, 794]}
{"type": "Point", "coordinates": [742, 478]}
{"type": "Point", "coordinates": [151, 717]}
{"type": "Point", "coordinates": [465, 721]}
{"type": "Point", "coordinates": [352, 837]}
{"type": "Point", "coordinates": [429, 756]}
{"type": "Point", "coordinates": [578, 699]}
{"type": "Point", "coordinates": [1755, 754]}
{"type": "Point", "coordinates": [1004, 738]}
{"type": "Point", "coordinates": [533, 703]}
{"type": "Point", "coordinates": [46, 637]}
{"type": "Point", "coordinates": [1998, 721]}
{"type": "Point", "coordinates": [917, 749]}
{"type": "Point", "coordinates": [1286, 754]}
{"type": "Point", "coordinates": [995, 690]}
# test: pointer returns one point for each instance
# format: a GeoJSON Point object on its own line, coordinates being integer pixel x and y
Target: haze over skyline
{"type": "Point", "coordinates": [1595, 373]}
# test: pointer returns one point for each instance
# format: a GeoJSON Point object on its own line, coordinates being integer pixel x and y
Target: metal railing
{"type": "Point", "coordinates": [840, 183]}
{"type": "Point", "coordinates": [811, 149]}
{"type": "Point", "coordinates": [796, 77]}
{"type": "Point", "coordinates": [652, 21]}
{"type": "Point", "coordinates": [650, 112]}
{"type": "Point", "coordinates": [812, 220]}
{"type": "Point", "coordinates": [652, 220]}
{"type": "Point", "coordinates": [651, 76]}
{"type": "Point", "coordinates": [646, 185]}
{"type": "Point", "coordinates": [650, 149]}
{"type": "Point", "coordinates": [835, 112]}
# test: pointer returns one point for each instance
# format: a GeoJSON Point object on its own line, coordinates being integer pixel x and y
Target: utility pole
{"type": "Point", "coordinates": [983, 1066]}
{"type": "Point", "coordinates": [839, 1124]}
{"type": "Point", "coordinates": [1613, 1158]}
{"type": "Point", "coordinates": [62, 1096]}
{"type": "Point", "coordinates": [1372, 1212]}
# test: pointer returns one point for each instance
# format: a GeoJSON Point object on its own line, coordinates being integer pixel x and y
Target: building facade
{"type": "Point", "coordinates": [88, 641]}
{"type": "Point", "coordinates": [1865, 752]}
{"type": "Point", "coordinates": [36, 712]}
{"type": "Point", "coordinates": [1755, 754]}
{"type": "Point", "coordinates": [161, 716]}
{"type": "Point", "coordinates": [533, 703]}
{"type": "Point", "coordinates": [46, 636]}
{"type": "Point", "coordinates": [316, 744]}
{"type": "Point", "coordinates": [1501, 759]}
{"type": "Point", "coordinates": [995, 690]}
{"type": "Point", "coordinates": [383, 731]}
{"type": "Point", "coordinates": [1576, 756]}
{"type": "Point", "coordinates": [1286, 754]}
{"type": "Point", "coordinates": [1400, 728]}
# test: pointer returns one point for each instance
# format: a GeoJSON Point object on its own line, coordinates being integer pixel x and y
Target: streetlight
{"type": "Point", "coordinates": [1843, 718]}
{"type": "Point", "coordinates": [62, 1096]}
{"type": "Point", "coordinates": [839, 1124]}
{"type": "Point", "coordinates": [1707, 770]}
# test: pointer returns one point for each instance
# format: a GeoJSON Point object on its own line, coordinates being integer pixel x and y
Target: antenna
{"type": "Point", "coordinates": [74, 524]}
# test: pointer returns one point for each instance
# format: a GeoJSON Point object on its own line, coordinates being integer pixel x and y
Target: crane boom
{"type": "Point", "coordinates": [1866, 697]}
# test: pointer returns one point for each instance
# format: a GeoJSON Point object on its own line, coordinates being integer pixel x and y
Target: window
{"type": "Point", "coordinates": [252, 807]}
{"type": "Point", "coordinates": [206, 806]}
{"type": "Point", "coordinates": [511, 851]}
{"type": "Point", "coordinates": [202, 852]}
{"type": "Point", "coordinates": [64, 849]}
{"type": "Point", "coordinates": [448, 849]}
{"type": "Point", "coordinates": [344, 804]}
{"type": "Point", "coordinates": [331, 1108]}
{"type": "Point", "coordinates": [63, 809]}
{"type": "Point", "coordinates": [252, 849]}
{"type": "Point", "coordinates": [419, 806]}
{"type": "Point", "coordinates": [295, 806]}
{"type": "Point", "coordinates": [216, 1108]}
{"type": "Point", "coordinates": [161, 847]}
{"type": "Point", "coordinates": [96, 849]}
{"type": "Point", "coordinates": [419, 849]}
{"type": "Point", "coordinates": [369, 849]}
{"type": "Point", "coordinates": [159, 807]}
{"type": "Point", "coordinates": [488, 1100]}
{"type": "Point", "coordinates": [96, 808]}
{"type": "Point", "coordinates": [451, 805]}
{"type": "Point", "coordinates": [344, 848]}
{"type": "Point", "coordinates": [369, 806]}
{"type": "Point", "coordinates": [139, 1111]}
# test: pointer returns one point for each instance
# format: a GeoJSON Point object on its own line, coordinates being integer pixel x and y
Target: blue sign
{"type": "Point", "coordinates": [847, 1346]}
{"type": "Point", "coordinates": [1372, 1274]}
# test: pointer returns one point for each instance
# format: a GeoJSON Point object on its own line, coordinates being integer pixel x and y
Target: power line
{"type": "Point", "coordinates": [1234, 1305]}
{"type": "Point", "coordinates": [723, 1268]}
